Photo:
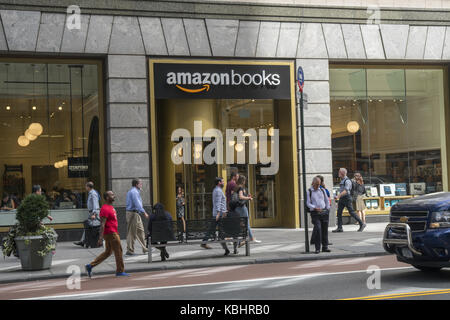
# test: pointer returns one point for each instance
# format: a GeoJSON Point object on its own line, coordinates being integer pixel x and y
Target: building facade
{"type": "Point", "coordinates": [376, 83]}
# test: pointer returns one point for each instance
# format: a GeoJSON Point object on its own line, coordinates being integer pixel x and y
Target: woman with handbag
{"type": "Point", "coordinates": [242, 209]}
{"type": "Point", "coordinates": [360, 191]}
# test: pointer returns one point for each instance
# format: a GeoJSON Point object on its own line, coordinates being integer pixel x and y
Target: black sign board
{"type": "Point", "coordinates": [13, 168]}
{"type": "Point", "coordinates": [78, 167]}
{"type": "Point", "coordinates": [221, 81]}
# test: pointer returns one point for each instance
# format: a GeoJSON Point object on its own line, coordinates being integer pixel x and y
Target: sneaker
{"type": "Point", "coordinates": [256, 241]}
{"type": "Point", "coordinates": [362, 227]}
{"type": "Point", "coordinates": [338, 230]}
{"type": "Point", "coordinates": [122, 274]}
{"type": "Point", "coordinates": [128, 253]}
{"type": "Point", "coordinates": [79, 243]}
{"type": "Point", "coordinates": [88, 268]}
{"type": "Point", "coordinates": [205, 246]}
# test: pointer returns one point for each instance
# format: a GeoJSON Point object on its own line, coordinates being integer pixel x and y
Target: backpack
{"type": "Point", "coordinates": [352, 190]}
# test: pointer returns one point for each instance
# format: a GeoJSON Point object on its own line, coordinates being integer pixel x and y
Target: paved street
{"type": "Point", "coordinates": [314, 280]}
{"type": "Point", "coordinates": [278, 245]}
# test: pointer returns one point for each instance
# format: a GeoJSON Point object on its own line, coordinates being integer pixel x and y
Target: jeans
{"type": "Point", "coordinates": [243, 213]}
{"type": "Point", "coordinates": [320, 231]}
{"type": "Point", "coordinates": [211, 233]}
{"type": "Point", "coordinates": [346, 202]}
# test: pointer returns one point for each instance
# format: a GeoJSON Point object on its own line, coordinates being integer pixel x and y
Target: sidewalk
{"type": "Point", "coordinates": [278, 245]}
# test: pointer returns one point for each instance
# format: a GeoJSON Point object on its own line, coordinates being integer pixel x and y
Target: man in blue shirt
{"type": "Point", "coordinates": [134, 209]}
{"type": "Point", "coordinates": [345, 201]}
{"type": "Point", "coordinates": [219, 212]}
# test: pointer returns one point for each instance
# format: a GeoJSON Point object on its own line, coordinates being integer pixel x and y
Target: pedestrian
{"type": "Point", "coordinates": [36, 189]}
{"type": "Point", "coordinates": [359, 190]}
{"type": "Point", "coordinates": [181, 223]}
{"type": "Point", "coordinates": [92, 206]}
{"type": "Point", "coordinates": [158, 216]}
{"type": "Point", "coordinates": [134, 222]}
{"type": "Point", "coordinates": [231, 185]}
{"type": "Point", "coordinates": [219, 212]}
{"type": "Point", "coordinates": [242, 209]}
{"type": "Point", "coordinates": [319, 208]}
{"type": "Point", "coordinates": [345, 201]}
{"type": "Point", "coordinates": [109, 232]}
{"type": "Point", "coordinates": [7, 202]}
{"type": "Point", "coordinates": [324, 187]}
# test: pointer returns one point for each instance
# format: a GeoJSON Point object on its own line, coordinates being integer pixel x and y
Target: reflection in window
{"type": "Point", "coordinates": [388, 125]}
{"type": "Point", "coordinates": [49, 118]}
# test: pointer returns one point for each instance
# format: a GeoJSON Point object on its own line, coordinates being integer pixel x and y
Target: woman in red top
{"type": "Point", "coordinates": [109, 232]}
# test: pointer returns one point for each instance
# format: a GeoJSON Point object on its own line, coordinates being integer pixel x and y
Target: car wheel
{"type": "Point", "coordinates": [427, 269]}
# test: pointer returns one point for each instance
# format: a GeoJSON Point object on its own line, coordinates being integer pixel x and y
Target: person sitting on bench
{"type": "Point", "coordinates": [159, 215]}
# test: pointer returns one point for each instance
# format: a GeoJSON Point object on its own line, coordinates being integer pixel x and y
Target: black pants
{"type": "Point", "coordinates": [211, 233]}
{"type": "Point", "coordinates": [320, 232]}
{"type": "Point", "coordinates": [346, 202]}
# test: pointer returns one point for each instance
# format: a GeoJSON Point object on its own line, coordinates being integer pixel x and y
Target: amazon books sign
{"type": "Point", "coordinates": [221, 81]}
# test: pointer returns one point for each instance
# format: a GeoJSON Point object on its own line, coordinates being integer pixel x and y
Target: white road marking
{"type": "Point", "coordinates": [367, 242]}
{"type": "Point", "coordinates": [125, 290]}
{"type": "Point", "coordinates": [317, 263]}
{"type": "Point", "coordinates": [54, 263]}
{"type": "Point", "coordinates": [354, 261]}
{"type": "Point", "coordinates": [264, 248]}
{"type": "Point", "coordinates": [162, 275]}
{"type": "Point", "coordinates": [209, 271]}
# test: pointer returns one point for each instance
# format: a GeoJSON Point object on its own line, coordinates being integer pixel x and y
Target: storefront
{"type": "Point", "coordinates": [51, 134]}
{"type": "Point", "coordinates": [209, 101]}
{"type": "Point", "coordinates": [388, 123]}
{"type": "Point", "coordinates": [377, 101]}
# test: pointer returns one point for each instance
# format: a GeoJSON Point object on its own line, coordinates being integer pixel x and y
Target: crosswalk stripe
{"type": "Point", "coordinates": [210, 271]}
{"type": "Point", "coordinates": [265, 248]}
{"type": "Point", "coordinates": [353, 261]}
{"type": "Point", "coordinates": [314, 264]}
{"type": "Point", "coordinates": [367, 242]}
{"type": "Point", "coordinates": [162, 275]}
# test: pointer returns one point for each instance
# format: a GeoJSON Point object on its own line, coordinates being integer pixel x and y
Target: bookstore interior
{"type": "Point", "coordinates": [50, 131]}
{"type": "Point", "coordinates": [389, 125]}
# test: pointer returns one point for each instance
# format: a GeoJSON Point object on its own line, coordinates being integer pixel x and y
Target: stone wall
{"type": "Point", "coordinates": [125, 42]}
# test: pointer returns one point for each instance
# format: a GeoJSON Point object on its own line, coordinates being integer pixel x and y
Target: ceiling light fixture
{"type": "Point", "coordinates": [23, 141]}
{"type": "Point", "coordinates": [353, 126]}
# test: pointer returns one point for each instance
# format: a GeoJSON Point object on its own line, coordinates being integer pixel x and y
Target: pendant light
{"type": "Point", "coordinates": [23, 141]}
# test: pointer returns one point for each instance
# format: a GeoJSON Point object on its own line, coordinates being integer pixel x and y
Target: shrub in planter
{"type": "Point", "coordinates": [30, 213]}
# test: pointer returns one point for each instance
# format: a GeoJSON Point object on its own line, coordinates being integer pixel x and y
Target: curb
{"type": "Point", "coordinates": [206, 265]}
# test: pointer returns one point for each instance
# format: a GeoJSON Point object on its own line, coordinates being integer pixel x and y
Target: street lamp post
{"type": "Point", "coordinates": [300, 81]}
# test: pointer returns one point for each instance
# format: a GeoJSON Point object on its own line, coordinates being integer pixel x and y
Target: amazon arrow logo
{"type": "Point", "coordinates": [205, 87]}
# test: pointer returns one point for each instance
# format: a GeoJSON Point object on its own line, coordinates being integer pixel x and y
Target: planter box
{"type": "Point", "coordinates": [29, 258]}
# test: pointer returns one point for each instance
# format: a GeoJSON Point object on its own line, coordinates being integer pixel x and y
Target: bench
{"type": "Point", "coordinates": [230, 229]}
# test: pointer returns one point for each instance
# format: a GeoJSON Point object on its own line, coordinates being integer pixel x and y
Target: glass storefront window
{"type": "Point", "coordinates": [49, 118]}
{"type": "Point", "coordinates": [387, 123]}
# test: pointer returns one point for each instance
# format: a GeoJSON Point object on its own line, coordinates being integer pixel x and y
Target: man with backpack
{"type": "Point", "coordinates": [345, 201]}
{"type": "Point", "coordinates": [319, 207]}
